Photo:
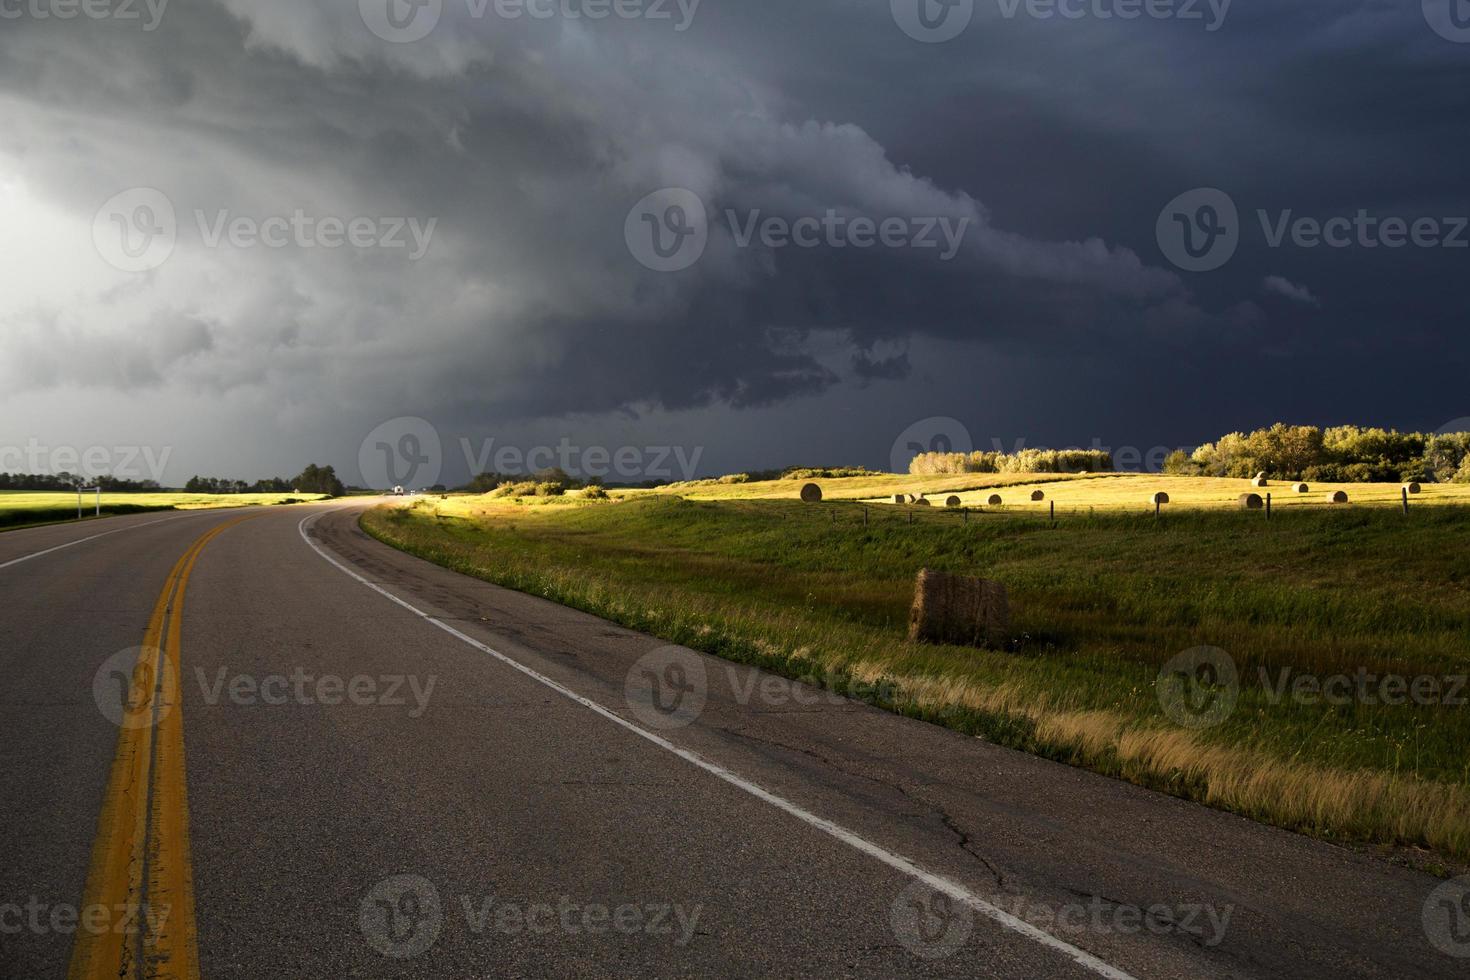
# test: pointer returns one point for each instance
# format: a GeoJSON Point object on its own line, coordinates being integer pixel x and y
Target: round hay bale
{"type": "Point", "coordinates": [1337, 497]}
{"type": "Point", "coordinates": [1159, 498]}
{"type": "Point", "coordinates": [1251, 501]}
{"type": "Point", "coordinates": [1412, 487]}
{"type": "Point", "coordinates": [1301, 488]}
{"type": "Point", "coordinates": [1037, 495]}
{"type": "Point", "coordinates": [922, 502]}
{"type": "Point", "coordinates": [952, 502]}
{"type": "Point", "coordinates": [995, 500]}
{"type": "Point", "coordinates": [1259, 480]}
{"type": "Point", "coordinates": [913, 499]}
{"type": "Point", "coordinates": [811, 493]}
{"type": "Point", "coordinates": [899, 498]}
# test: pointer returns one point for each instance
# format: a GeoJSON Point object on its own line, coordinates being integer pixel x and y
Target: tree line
{"type": "Point", "coordinates": [314, 480]}
{"type": "Point", "coordinates": [1339, 454]}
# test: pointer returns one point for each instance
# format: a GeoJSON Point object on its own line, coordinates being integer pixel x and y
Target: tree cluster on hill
{"type": "Point", "coordinates": [70, 481]}
{"type": "Point", "coordinates": [1025, 461]}
{"type": "Point", "coordinates": [314, 479]}
{"type": "Point", "coordinates": [212, 484]}
{"type": "Point", "coordinates": [1341, 454]}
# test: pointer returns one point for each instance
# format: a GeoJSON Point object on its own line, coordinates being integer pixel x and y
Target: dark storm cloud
{"type": "Point", "coordinates": [1050, 146]}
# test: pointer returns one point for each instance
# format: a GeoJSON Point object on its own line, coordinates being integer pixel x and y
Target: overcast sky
{"type": "Point", "coordinates": [251, 234]}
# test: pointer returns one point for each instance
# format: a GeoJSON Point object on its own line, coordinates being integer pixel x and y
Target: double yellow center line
{"type": "Point", "coordinates": [140, 871]}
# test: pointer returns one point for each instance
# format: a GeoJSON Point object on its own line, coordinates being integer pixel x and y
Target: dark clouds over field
{"type": "Point", "coordinates": [1053, 142]}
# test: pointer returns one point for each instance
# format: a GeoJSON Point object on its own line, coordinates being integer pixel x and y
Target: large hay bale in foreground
{"type": "Point", "coordinates": [1301, 488]}
{"type": "Point", "coordinates": [952, 502]}
{"type": "Point", "coordinates": [1159, 498]}
{"type": "Point", "coordinates": [1038, 495]}
{"type": "Point", "coordinates": [1412, 487]}
{"type": "Point", "coordinates": [1337, 497]}
{"type": "Point", "coordinates": [959, 609]}
{"type": "Point", "coordinates": [995, 500]}
{"type": "Point", "coordinates": [1251, 501]}
{"type": "Point", "coordinates": [811, 493]}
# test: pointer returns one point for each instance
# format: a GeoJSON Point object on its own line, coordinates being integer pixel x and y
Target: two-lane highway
{"type": "Point", "coordinates": [371, 766]}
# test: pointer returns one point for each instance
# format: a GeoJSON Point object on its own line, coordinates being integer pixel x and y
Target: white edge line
{"type": "Point", "coordinates": [73, 544]}
{"type": "Point", "coordinates": [896, 861]}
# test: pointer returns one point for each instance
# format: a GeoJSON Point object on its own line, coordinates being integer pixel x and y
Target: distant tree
{"type": "Point", "coordinates": [319, 479]}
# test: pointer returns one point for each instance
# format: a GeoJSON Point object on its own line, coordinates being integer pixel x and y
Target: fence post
{"type": "Point", "coordinates": [1053, 511]}
{"type": "Point", "coordinates": [1405, 492]}
{"type": "Point", "coordinates": [1268, 506]}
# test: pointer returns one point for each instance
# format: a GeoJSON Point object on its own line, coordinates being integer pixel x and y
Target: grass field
{"type": "Point", "coordinates": [877, 485]}
{"type": "Point", "coordinates": [25, 508]}
{"type": "Point", "coordinates": [1101, 600]}
{"type": "Point", "coordinates": [1134, 492]}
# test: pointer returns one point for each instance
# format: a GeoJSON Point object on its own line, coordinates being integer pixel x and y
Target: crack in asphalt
{"type": "Point", "coordinates": [962, 837]}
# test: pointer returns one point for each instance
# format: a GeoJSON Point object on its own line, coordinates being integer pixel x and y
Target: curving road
{"type": "Point", "coordinates": [343, 761]}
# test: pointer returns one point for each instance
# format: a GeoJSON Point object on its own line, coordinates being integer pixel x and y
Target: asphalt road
{"type": "Point", "coordinates": [393, 770]}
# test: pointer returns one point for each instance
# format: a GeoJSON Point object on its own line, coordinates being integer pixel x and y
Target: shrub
{"type": "Point", "coordinates": [1181, 463]}
{"type": "Point", "coordinates": [1025, 461]}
